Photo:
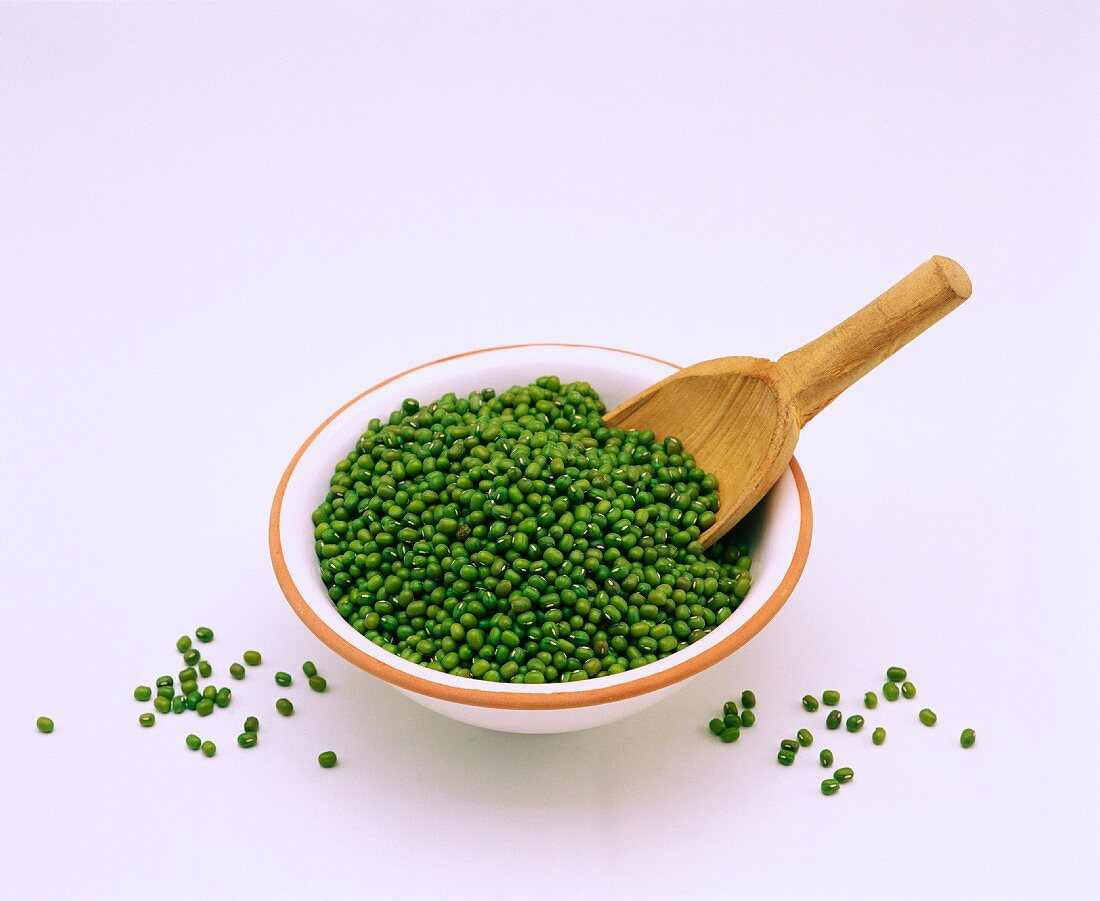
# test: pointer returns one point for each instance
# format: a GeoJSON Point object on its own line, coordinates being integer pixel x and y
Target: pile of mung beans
{"type": "Point", "coordinates": [516, 538]}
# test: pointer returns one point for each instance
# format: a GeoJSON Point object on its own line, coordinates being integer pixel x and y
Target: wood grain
{"type": "Point", "coordinates": [741, 416]}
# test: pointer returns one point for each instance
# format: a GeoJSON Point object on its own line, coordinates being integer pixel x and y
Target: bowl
{"type": "Point", "coordinates": [778, 531]}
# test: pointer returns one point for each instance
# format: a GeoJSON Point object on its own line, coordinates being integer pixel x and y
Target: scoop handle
{"type": "Point", "coordinates": [821, 370]}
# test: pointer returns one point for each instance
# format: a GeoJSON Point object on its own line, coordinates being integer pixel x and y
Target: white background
{"type": "Point", "coordinates": [218, 223]}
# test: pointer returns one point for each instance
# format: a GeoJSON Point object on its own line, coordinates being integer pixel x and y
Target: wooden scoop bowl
{"type": "Point", "coordinates": [741, 416]}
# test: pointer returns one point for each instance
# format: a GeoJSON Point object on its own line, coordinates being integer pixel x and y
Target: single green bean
{"type": "Point", "coordinates": [327, 759]}
{"type": "Point", "coordinates": [927, 717]}
{"type": "Point", "coordinates": [45, 724]}
{"type": "Point", "coordinates": [967, 738]}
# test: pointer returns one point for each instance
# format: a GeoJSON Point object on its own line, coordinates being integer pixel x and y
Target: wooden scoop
{"type": "Point", "coordinates": [740, 416]}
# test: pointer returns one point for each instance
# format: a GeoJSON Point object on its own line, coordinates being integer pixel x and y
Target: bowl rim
{"type": "Point", "coordinates": [504, 698]}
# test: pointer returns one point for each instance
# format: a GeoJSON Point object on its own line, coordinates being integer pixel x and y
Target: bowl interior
{"type": "Point", "coordinates": [771, 529]}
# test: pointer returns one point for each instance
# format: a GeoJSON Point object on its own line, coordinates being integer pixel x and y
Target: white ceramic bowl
{"type": "Point", "coordinates": [778, 531]}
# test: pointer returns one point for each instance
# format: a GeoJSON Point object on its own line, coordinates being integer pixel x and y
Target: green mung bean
{"type": "Point", "coordinates": [927, 716]}
{"type": "Point", "coordinates": [730, 734]}
{"type": "Point", "coordinates": [45, 724]}
{"type": "Point", "coordinates": [143, 693]}
{"type": "Point", "coordinates": [479, 535]}
{"type": "Point", "coordinates": [166, 691]}
{"type": "Point", "coordinates": [210, 692]}
{"type": "Point", "coordinates": [252, 658]}
{"type": "Point", "coordinates": [785, 757]}
{"type": "Point", "coordinates": [192, 656]}
{"type": "Point", "coordinates": [147, 719]}
{"type": "Point", "coordinates": [748, 718]}
{"type": "Point", "coordinates": [830, 698]}
{"type": "Point", "coordinates": [179, 704]}
{"type": "Point", "coordinates": [891, 691]}
{"type": "Point", "coordinates": [187, 687]}
{"type": "Point", "coordinates": [165, 681]}
{"type": "Point", "coordinates": [834, 719]}
{"type": "Point", "coordinates": [236, 671]}
{"type": "Point", "coordinates": [748, 700]}
{"type": "Point", "coordinates": [284, 706]}
{"type": "Point", "coordinates": [251, 724]}
{"type": "Point", "coordinates": [826, 757]}
{"type": "Point", "coordinates": [789, 744]}
{"type": "Point", "coordinates": [162, 704]}
{"type": "Point", "coordinates": [829, 786]}
{"type": "Point", "coordinates": [844, 775]}
{"type": "Point", "coordinates": [805, 737]}
{"type": "Point", "coordinates": [247, 739]}
{"type": "Point", "coordinates": [205, 669]}
{"type": "Point", "coordinates": [193, 741]}
{"type": "Point", "coordinates": [188, 674]}
{"type": "Point", "coordinates": [878, 736]}
{"type": "Point", "coordinates": [318, 683]}
{"type": "Point", "coordinates": [731, 719]}
{"type": "Point", "coordinates": [967, 738]}
{"type": "Point", "coordinates": [222, 697]}
{"type": "Point", "coordinates": [809, 703]}
{"type": "Point", "coordinates": [870, 700]}
{"type": "Point", "coordinates": [282, 679]}
{"type": "Point", "coordinates": [854, 723]}
{"type": "Point", "coordinates": [205, 707]}
{"type": "Point", "coordinates": [193, 699]}
{"type": "Point", "coordinates": [209, 748]}
{"type": "Point", "coordinates": [204, 634]}
{"type": "Point", "coordinates": [183, 643]}
{"type": "Point", "coordinates": [309, 669]}
{"type": "Point", "coordinates": [896, 674]}
{"type": "Point", "coordinates": [716, 726]}
{"type": "Point", "coordinates": [327, 759]}
{"type": "Point", "coordinates": [908, 690]}
{"type": "Point", "coordinates": [729, 707]}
